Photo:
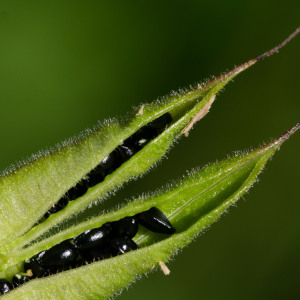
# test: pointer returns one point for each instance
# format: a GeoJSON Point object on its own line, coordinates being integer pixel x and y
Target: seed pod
{"type": "Point", "coordinates": [5, 286]}
{"type": "Point", "coordinates": [97, 237]}
{"type": "Point", "coordinates": [19, 279]}
{"type": "Point", "coordinates": [156, 221]}
{"type": "Point", "coordinates": [60, 255]}
{"type": "Point", "coordinates": [114, 160]}
{"type": "Point", "coordinates": [122, 245]}
{"type": "Point", "coordinates": [127, 226]}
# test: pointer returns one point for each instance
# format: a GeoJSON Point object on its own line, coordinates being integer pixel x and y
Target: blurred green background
{"type": "Point", "coordinates": [66, 64]}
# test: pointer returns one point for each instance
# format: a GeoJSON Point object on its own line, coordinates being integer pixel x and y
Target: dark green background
{"type": "Point", "coordinates": [66, 64]}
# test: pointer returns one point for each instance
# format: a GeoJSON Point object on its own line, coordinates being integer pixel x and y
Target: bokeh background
{"type": "Point", "coordinates": [66, 64]}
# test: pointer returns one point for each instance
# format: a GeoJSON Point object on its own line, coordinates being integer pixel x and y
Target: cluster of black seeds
{"type": "Point", "coordinates": [111, 239]}
{"type": "Point", "coordinates": [114, 160]}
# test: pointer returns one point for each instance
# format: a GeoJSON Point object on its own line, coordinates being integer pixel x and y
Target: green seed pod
{"type": "Point", "coordinates": [40, 200]}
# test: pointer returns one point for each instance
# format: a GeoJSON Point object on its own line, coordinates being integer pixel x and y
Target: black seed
{"type": "Point", "coordinates": [19, 279]}
{"type": "Point", "coordinates": [51, 211]}
{"type": "Point", "coordinates": [77, 191]}
{"type": "Point", "coordinates": [148, 132]}
{"type": "Point", "coordinates": [156, 221]}
{"type": "Point", "coordinates": [127, 226]}
{"type": "Point", "coordinates": [98, 174]}
{"type": "Point", "coordinates": [96, 237]}
{"type": "Point", "coordinates": [141, 137]}
{"type": "Point", "coordinates": [112, 162]}
{"type": "Point", "coordinates": [109, 161]}
{"type": "Point", "coordinates": [5, 286]}
{"type": "Point", "coordinates": [94, 178]}
{"type": "Point", "coordinates": [36, 269]}
{"type": "Point", "coordinates": [122, 245]}
{"type": "Point", "coordinates": [107, 166]}
{"type": "Point", "coordinates": [125, 153]}
{"type": "Point", "coordinates": [73, 193]}
{"type": "Point", "coordinates": [95, 253]}
{"type": "Point", "coordinates": [142, 143]}
{"type": "Point", "coordinates": [60, 255]}
{"type": "Point", "coordinates": [137, 143]}
{"type": "Point", "coordinates": [76, 264]}
{"type": "Point", "coordinates": [57, 207]}
{"type": "Point", "coordinates": [161, 122]}
{"type": "Point", "coordinates": [62, 202]}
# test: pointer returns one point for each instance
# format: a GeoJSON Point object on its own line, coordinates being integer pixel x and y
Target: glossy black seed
{"type": "Point", "coordinates": [36, 269]}
{"type": "Point", "coordinates": [51, 211]}
{"type": "Point", "coordinates": [98, 174]}
{"type": "Point", "coordinates": [142, 143]}
{"type": "Point", "coordinates": [109, 161]}
{"type": "Point", "coordinates": [156, 221]}
{"type": "Point", "coordinates": [161, 122]}
{"type": "Point", "coordinates": [57, 207]}
{"type": "Point", "coordinates": [127, 226]}
{"type": "Point", "coordinates": [19, 279]}
{"type": "Point", "coordinates": [60, 255]}
{"type": "Point", "coordinates": [76, 264]}
{"type": "Point", "coordinates": [112, 162]}
{"type": "Point", "coordinates": [148, 132]}
{"type": "Point", "coordinates": [73, 193]}
{"type": "Point", "coordinates": [77, 191]}
{"type": "Point", "coordinates": [97, 237]}
{"type": "Point", "coordinates": [122, 245]}
{"type": "Point", "coordinates": [140, 137]}
{"type": "Point", "coordinates": [5, 286]}
{"type": "Point", "coordinates": [95, 253]}
{"type": "Point", "coordinates": [138, 142]}
{"type": "Point", "coordinates": [63, 202]}
{"type": "Point", "coordinates": [107, 166]}
{"type": "Point", "coordinates": [94, 178]}
{"type": "Point", "coordinates": [125, 153]}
